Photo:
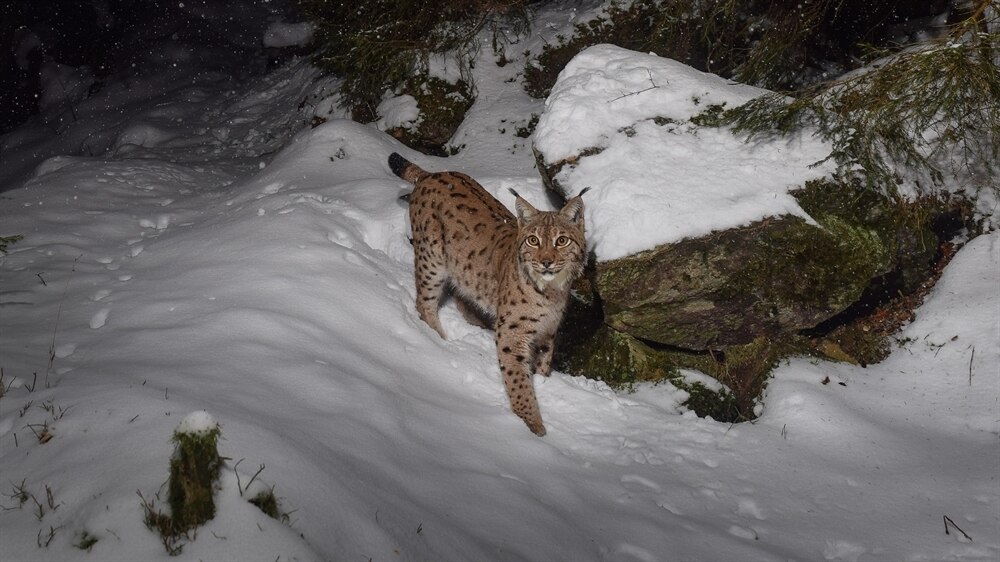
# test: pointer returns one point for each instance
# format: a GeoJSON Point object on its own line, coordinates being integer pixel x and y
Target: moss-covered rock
{"type": "Point", "coordinates": [778, 276]}
{"type": "Point", "coordinates": [733, 303]}
{"type": "Point", "coordinates": [621, 360]}
{"type": "Point", "coordinates": [443, 106]}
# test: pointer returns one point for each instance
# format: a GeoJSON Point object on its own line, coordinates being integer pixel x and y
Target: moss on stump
{"type": "Point", "coordinates": [194, 472]}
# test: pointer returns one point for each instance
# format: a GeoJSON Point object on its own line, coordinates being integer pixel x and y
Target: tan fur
{"type": "Point", "coordinates": [515, 271]}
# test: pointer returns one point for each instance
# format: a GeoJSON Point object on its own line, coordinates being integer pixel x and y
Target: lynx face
{"type": "Point", "coordinates": [551, 247]}
{"type": "Point", "coordinates": [515, 271]}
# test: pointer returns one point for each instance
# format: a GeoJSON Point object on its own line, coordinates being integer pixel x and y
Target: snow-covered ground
{"type": "Point", "coordinates": [191, 244]}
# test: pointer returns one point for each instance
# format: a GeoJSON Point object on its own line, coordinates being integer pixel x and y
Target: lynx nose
{"type": "Point", "coordinates": [547, 264]}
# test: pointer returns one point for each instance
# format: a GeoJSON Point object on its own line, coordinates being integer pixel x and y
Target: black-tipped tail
{"type": "Point", "coordinates": [398, 164]}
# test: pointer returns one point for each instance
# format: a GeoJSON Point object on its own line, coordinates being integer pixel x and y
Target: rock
{"type": "Point", "coordinates": [778, 276]}
{"type": "Point", "coordinates": [442, 107]}
{"type": "Point", "coordinates": [740, 283]}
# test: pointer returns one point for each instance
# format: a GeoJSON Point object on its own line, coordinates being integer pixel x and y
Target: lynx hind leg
{"type": "Point", "coordinates": [431, 276]}
{"type": "Point", "coordinates": [514, 367]}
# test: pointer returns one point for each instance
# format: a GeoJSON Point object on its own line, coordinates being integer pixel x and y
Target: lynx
{"type": "Point", "coordinates": [513, 272]}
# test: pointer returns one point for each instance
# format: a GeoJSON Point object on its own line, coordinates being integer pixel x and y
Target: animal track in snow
{"type": "Point", "coordinates": [743, 533]}
{"type": "Point", "coordinates": [631, 551]}
{"type": "Point", "coordinates": [100, 295]}
{"type": "Point", "coordinates": [843, 550]}
{"type": "Point", "coordinates": [749, 508]}
{"type": "Point", "coordinates": [99, 319]}
{"type": "Point", "coordinates": [273, 188]}
{"type": "Point", "coordinates": [161, 222]}
{"type": "Point", "coordinates": [65, 350]}
{"type": "Point", "coordinates": [340, 237]}
{"type": "Point", "coordinates": [642, 482]}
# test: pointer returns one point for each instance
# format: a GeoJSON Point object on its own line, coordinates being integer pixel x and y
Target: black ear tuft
{"type": "Point", "coordinates": [582, 191]}
{"type": "Point", "coordinates": [398, 164]}
{"type": "Point", "coordinates": [516, 194]}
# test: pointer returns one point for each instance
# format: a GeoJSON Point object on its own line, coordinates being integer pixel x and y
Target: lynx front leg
{"type": "Point", "coordinates": [514, 366]}
{"type": "Point", "coordinates": [543, 356]}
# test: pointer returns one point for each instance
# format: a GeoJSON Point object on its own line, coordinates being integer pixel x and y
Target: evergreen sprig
{"type": "Point", "coordinates": [378, 45]}
{"type": "Point", "coordinates": [932, 108]}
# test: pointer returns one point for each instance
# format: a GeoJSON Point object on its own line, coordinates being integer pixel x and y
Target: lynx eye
{"type": "Point", "coordinates": [562, 242]}
{"type": "Point", "coordinates": [532, 241]}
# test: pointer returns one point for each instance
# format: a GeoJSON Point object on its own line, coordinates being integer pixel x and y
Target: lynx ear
{"type": "Point", "coordinates": [524, 209]}
{"type": "Point", "coordinates": [573, 209]}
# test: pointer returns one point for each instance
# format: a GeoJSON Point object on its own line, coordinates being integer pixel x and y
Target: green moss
{"type": "Point", "coordinates": [377, 46]}
{"type": "Point", "coordinates": [6, 241]}
{"type": "Point", "coordinates": [622, 360]}
{"type": "Point", "coordinates": [525, 131]}
{"type": "Point", "coordinates": [619, 359]}
{"type": "Point", "coordinates": [194, 471]}
{"type": "Point", "coordinates": [443, 106]}
{"type": "Point", "coordinates": [733, 303]}
{"type": "Point", "coordinates": [711, 116]}
{"type": "Point", "coordinates": [266, 501]}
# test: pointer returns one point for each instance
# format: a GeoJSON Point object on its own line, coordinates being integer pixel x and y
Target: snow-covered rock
{"type": "Point", "coordinates": [618, 121]}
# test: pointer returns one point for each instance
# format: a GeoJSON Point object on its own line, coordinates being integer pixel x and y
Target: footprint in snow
{"type": "Point", "coordinates": [664, 504]}
{"type": "Point", "coordinates": [100, 295]}
{"type": "Point", "coordinates": [273, 188]}
{"type": "Point", "coordinates": [109, 263]}
{"type": "Point", "coordinates": [843, 550]}
{"type": "Point", "coordinates": [161, 222]}
{"type": "Point", "coordinates": [625, 551]}
{"type": "Point", "coordinates": [354, 258]}
{"type": "Point", "coordinates": [749, 508]}
{"type": "Point", "coordinates": [743, 533]}
{"type": "Point", "coordinates": [65, 350]}
{"type": "Point", "coordinates": [636, 482]}
{"type": "Point", "coordinates": [340, 237]}
{"type": "Point", "coordinates": [98, 320]}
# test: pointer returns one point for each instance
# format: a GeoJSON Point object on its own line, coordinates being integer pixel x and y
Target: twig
{"type": "Point", "coordinates": [50, 499]}
{"type": "Point", "coordinates": [970, 364]}
{"type": "Point", "coordinates": [653, 87]}
{"type": "Point", "coordinates": [48, 540]}
{"type": "Point", "coordinates": [948, 521]}
{"type": "Point", "coordinates": [256, 474]}
{"type": "Point", "coordinates": [237, 473]}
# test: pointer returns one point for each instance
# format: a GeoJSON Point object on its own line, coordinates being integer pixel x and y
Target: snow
{"type": "Point", "coordinates": [397, 111]}
{"type": "Point", "coordinates": [243, 266]}
{"type": "Point", "coordinates": [688, 180]}
{"type": "Point", "coordinates": [195, 423]}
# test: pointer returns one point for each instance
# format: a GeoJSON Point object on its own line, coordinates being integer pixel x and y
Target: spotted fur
{"type": "Point", "coordinates": [512, 272]}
